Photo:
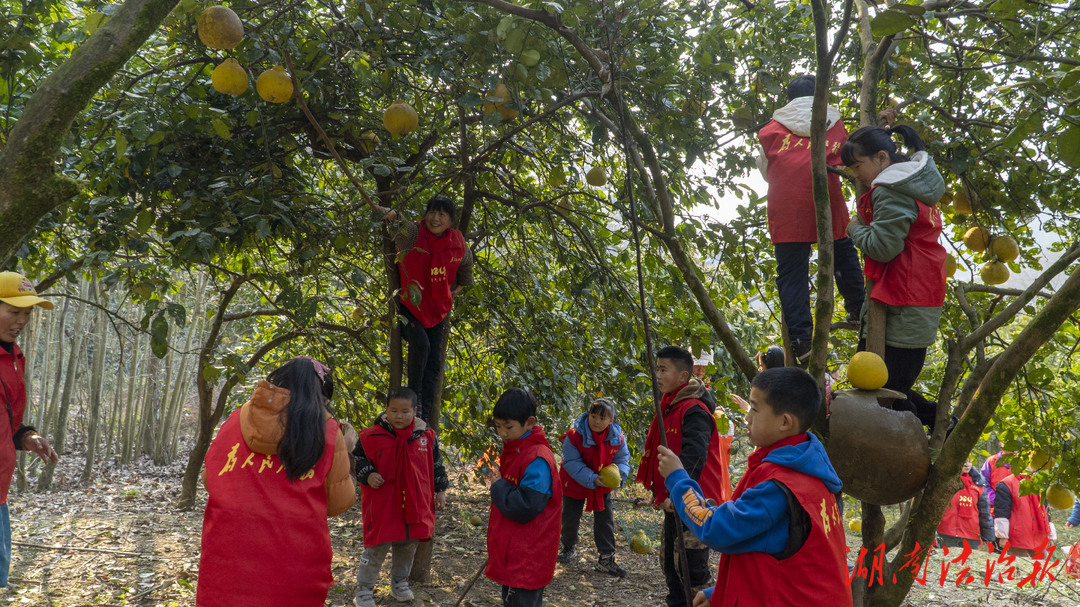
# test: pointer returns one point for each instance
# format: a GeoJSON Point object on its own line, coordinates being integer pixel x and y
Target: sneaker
{"type": "Point", "coordinates": [400, 591]}
{"type": "Point", "coordinates": [364, 598]}
{"type": "Point", "coordinates": [607, 564]}
{"type": "Point", "coordinates": [567, 555]}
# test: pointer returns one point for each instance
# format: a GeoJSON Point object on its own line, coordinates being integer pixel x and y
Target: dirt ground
{"type": "Point", "coordinates": [120, 542]}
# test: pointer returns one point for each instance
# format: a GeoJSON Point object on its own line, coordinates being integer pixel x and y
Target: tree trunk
{"type": "Point", "coordinates": [97, 379]}
{"type": "Point", "coordinates": [144, 443]}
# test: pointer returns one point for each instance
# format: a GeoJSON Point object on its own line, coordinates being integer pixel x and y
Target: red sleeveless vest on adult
{"type": "Point", "coordinates": [792, 217]}
{"type": "Point", "coordinates": [431, 266]}
{"type": "Point", "coordinates": [1029, 526]}
{"type": "Point", "coordinates": [265, 540]}
{"type": "Point", "coordinates": [595, 457]}
{"type": "Point", "coordinates": [13, 392]}
{"type": "Point", "coordinates": [403, 508]}
{"type": "Point", "coordinates": [962, 518]}
{"type": "Point", "coordinates": [714, 480]}
{"type": "Point", "coordinates": [522, 555]}
{"type": "Point", "coordinates": [915, 277]}
{"type": "Point", "coordinates": [816, 574]}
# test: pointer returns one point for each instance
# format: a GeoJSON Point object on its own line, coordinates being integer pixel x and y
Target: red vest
{"type": "Point", "coordinates": [403, 508]}
{"type": "Point", "coordinates": [429, 268]}
{"type": "Point", "coordinates": [1029, 526]}
{"type": "Point", "coordinates": [714, 480]}
{"type": "Point", "coordinates": [13, 394]}
{"type": "Point", "coordinates": [816, 574]}
{"type": "Point", "coordinates": [790, 197]}
{"type": "Point", "coordinates": [265, 539]}
{"type": "Point", "coordinates": [962, 518]}
{"type": "Point", "coordinates": [600, 454]}
{"type": "Point", "coordinates": [915, 277]}
{"type": "Point", "coordinates": [522, 555]}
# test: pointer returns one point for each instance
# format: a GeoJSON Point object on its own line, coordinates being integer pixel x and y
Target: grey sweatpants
{"type": "Point", "coordinates": [367, 575]}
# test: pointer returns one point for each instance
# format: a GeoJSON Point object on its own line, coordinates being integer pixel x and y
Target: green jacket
{"type": "Point", "coordinates": [894, 207]}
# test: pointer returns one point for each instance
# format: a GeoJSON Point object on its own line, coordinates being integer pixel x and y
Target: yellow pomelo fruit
{"type": "Point", "coordinates": [229, 78]}
{"type": "Point", "coordinates": [950, 265]}
{"type": "Point", "coordinates": [475, 520]}
{"type": "Point", "coordinates": [867, 371]}
{"type": "Point", "coordinates": [977, 239]}
{"type": "Point", "coordinates": [994, 273]}
{"type": "Point", "coordinates": [855, 524]}
{"type": "Point", "coordinates": [946, 199]}
{"type": "Point", "coordinates": [694, 106]}
{"type": "Point", "coordinates": [961, 204]}
{"type": "Point", "coordinates": [610, 476]}
{"type": "Point", "coordinates": [1059, 497]}
{"type": "Point", "coordinates": [274, 85]}
{"type": "Point", "coordinates": [1040, 460]}
{"type": "Point", "coordinates": [368, 141]}
{"type": "Point", "coordinates": [596, 176]}
{"type": "Point", "coordinates": [1005, 248]}
{"type": "Point", "coordinates": [503, 93]}
{"type": "Point", "coordinates": [639, 543]}
{"type": "Point", "coordinates": [219, 27]}
{"type": "Point", "coordinates": [400, 118]}
{"type": "Point", "coordinates": [741, 118]}
{"type": "Point", "coordinates": [564, 207]}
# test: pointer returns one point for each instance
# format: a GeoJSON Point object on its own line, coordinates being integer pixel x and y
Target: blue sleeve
{"type": "Point", "coordinates": [575, 466]}
{"type": "Point", "coordinates": [756, 522]}
{"type": "Point", "coordinates": [537, 477]}
{"type": "Point", "coordinates": [1074, 518]}
{"type": "Point", "coordinates": [622, 459]}
{"type": "Point", "coordinates": [708, 592]}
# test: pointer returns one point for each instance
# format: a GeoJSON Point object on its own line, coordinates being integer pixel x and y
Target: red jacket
{"type": "Point", "coordinates": [816, 574]}
{"type": "Point", "coordinates": [522, 555]}
{"type": "Point", "coordinates": [713, 478]}
{"type": "Point", "coordinates": [790, 198]}
{"type": "Point", "coordinates": [600, 454]}
{"type": "Point", "coordinates": [915, 277]}
{"type": "Point", "coordinates": [265, 539]}
{"type": "Point", "coordinates": [429, 268]}
{"type": "Point", "coordinates": [1029, 525]}
{"type": "Point", "coordinates": [13, 393]}
{"type": "Point", "coordinates": [403, 508]}
{"type": "Point", "coordinates": [962, 518]}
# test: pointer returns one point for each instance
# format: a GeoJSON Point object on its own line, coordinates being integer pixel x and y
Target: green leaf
{"type": "Point", "coordinates": [890, 22]}
{"type": "Point", "coordinates": [1004, 9]}
{"type": "Point", "coordinates": [723, 424]}
{"type": "Point", "coordinates": [94, 21]}
{"type": "Point", "coordinates": [911, 9]}
{"type": "Point", "coordinates": [144, 221]}
{"type": "Point", "coordinates": [121, 144]}
{"type": "Point", "coordinates": [221, 129]}
{"type": "Point", "coordinates": [156, 138]}
{"type": "Point", "coordinates": [159, 336]}
{"type": "Point", "coordinates": [1068, 146]}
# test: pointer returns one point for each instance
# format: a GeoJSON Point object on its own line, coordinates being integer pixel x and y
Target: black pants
{"type": "Point", "coordinates": [904, 365]}
{"type": "Point", "coordinates": [793, 283]}
{"type": "Point", "coordinates": [425, 362]}
{"type": "Point", "coordinates": [603, 525]}
{"type": "Point", "coordinates": [697, 559]}
{"type": "Point", "coordinates": [520, 597]}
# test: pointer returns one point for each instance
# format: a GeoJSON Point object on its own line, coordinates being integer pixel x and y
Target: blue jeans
{"type": "Point", "coordinates": [5, 545]}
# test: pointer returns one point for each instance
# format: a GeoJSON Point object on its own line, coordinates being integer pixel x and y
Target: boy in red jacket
{"type": "Point", "coordinates": [402, 484]}
{"type": "Point", "coordinates": [781, 537]}
{"type": "Point", "coordinates": [526, 505]}
{"type": "Point", "coordinates": [691, 434]}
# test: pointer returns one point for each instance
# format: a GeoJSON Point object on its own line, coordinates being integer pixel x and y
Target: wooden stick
{"type": "Point", "coordinates": [469, 586]}
{"type": "Point", "coordinates": [77, 549]}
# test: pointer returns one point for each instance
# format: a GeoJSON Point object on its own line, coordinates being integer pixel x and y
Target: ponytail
{"type": "Point", "coordinates": [870, 140]}
{"type": "Point", "coordinates": [304, 440]}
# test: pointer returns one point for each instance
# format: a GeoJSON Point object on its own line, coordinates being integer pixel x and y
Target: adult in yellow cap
{"type": "Point", "coordinates": [17, 301]}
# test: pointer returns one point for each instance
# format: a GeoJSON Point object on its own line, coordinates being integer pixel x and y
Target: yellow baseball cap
{"type": "Point", "coordinates": [17, 291]}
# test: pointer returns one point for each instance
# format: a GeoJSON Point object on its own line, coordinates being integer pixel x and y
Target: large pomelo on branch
{"type": "Point", "coordinates": [220, 28]}
{"type": "Point", "coordinates": [596, 177]}
{"type": "Point", "coordinates": [1005, 248]}
{"type": "Point", "coordinates": [1059, 497]}
{"type": "Point", "coordinates": [977, 239]}
{"type": "Point", "coordinates": [400, 118]}
{"type": "Point", "coordinates": [994, 273]}
{"type": "Point", "coordinates": [229, 78]}
{"type": "Point", "coordinates": [502, 94]}
{"type": "Point", "coordinates": [274, 85]}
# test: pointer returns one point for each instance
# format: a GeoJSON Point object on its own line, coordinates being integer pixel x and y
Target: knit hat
{"type": "Point", "coordinates": [17, 291]}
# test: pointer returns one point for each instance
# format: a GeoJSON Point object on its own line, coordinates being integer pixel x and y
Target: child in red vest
{"type": "Point", "coordinates": [781, 537]}
{"type": "Point", "coordinates": [526, 505]}
{"type": "Point", "coordinates": [1020, 519]}
{"type": "Point", "coordinates": [402, 484]}
{"type": "Point", "coordinates": [897, 226]}
{"type": "Point", "coordinates": [691, 434]}
{"type": "Point", "coordinates": [435, 264]}
{"type": "Point", "coordinates": [967, 519]}
{"type": "Point", "coordinates": [276, 469]}
{"type": "Point", "coordinates": [594, 442]}
{"type": "Point", "coordinates": [784, 162]}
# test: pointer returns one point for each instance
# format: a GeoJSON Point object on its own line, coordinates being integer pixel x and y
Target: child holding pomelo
{"type": "Point", "coordinates": [897, 226]}
{"type": "Point", "coordinates": [594, 449]}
